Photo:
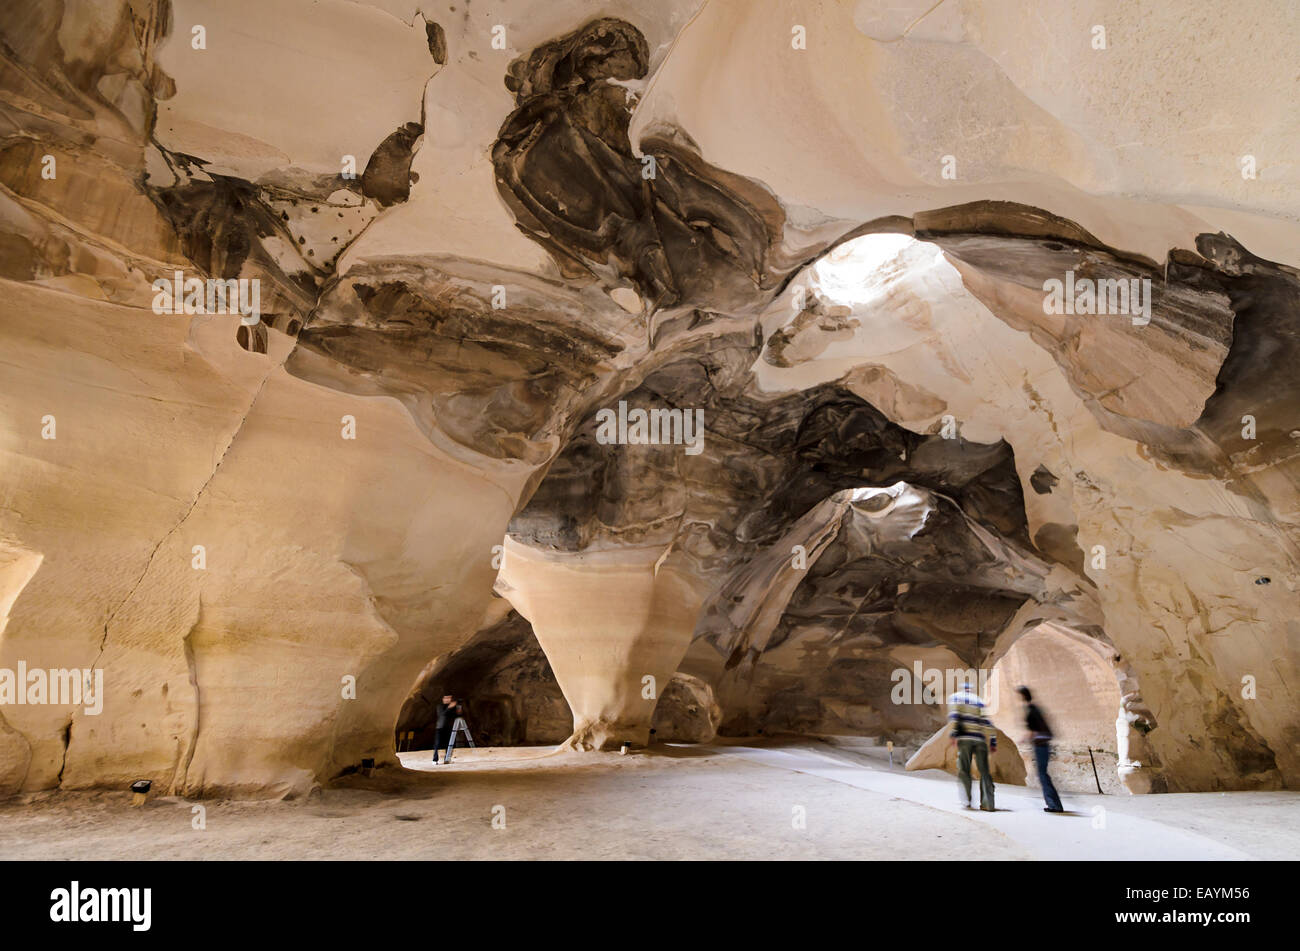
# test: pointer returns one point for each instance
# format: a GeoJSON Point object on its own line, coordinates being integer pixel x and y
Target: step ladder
{"type": "Point", "coordinates": [458, 727]}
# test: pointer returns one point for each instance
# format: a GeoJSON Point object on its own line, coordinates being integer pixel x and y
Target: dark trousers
{"type": "Point", "coordinates": [980, 750]}
{"type": "Point", "coordinates": [1043, 753]}
{"type": "Point", "coordinates": [440, 743]}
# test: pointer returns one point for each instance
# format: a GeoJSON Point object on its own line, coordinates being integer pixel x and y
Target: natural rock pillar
{"type": "Point", "coordinates": [614, 626]}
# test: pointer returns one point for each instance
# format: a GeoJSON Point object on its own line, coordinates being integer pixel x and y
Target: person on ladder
{"type": "Point", "coordinates": [448, 710]}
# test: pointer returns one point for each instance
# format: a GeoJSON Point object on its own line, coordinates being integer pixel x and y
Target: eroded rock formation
{"type": "Point", "coordinates": [475, 248]}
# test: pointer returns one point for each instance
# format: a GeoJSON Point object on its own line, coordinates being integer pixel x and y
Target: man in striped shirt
{"type": "Point", "coordinates": [974, 736]}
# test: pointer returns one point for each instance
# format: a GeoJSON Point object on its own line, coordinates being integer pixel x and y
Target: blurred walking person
{"type": "Point", "coordinates": [1040, 735]}
{"type": "Point", "coordinates": [975, 738]}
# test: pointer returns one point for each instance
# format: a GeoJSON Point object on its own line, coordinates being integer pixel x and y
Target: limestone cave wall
{"type": "Point", "coordinates": [824, 233]}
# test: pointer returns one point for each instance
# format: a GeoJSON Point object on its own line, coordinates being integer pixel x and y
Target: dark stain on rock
{"type": "Point", "coordinates": [1258, 377]}
{"type": "Point", "coordinates": [493, 380]}
{"type": "Point", "coordinates": [770, 459]}
{"type": "Point", "coordinates": [388, 176]}
{"type": "Point", "coordinates": [1042, 480]}
{"type": "Point", "coordinates": [216, 222]}
{"type": "Point", "coordinates": [1014, 220]}
{"type": "Point", "coordinates": [437, 37]}
{"type": "Point", "coordinates": [220, 222]}
{"type": "Point", "coordinates": [1061, 544]}
{"type": "Point", "coordinates": [682, 231]}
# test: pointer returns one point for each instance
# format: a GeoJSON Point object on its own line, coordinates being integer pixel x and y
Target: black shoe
{"type": "Point", "coordinates": [1046, 809]}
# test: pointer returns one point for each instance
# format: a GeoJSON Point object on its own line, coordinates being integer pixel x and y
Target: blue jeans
{"type": "Point", "coordinates": [1043, 753]}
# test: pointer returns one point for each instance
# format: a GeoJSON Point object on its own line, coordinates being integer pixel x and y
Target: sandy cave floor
{"type": "Point", "coordinates": [734, 800]}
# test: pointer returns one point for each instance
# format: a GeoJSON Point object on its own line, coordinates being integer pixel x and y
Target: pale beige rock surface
{"type": "Point", "coordinates": [798, 269]}
{"type": "Point", "coordinates": [614, 627]}
{"type": "Point", "coordinates": [939, 752]}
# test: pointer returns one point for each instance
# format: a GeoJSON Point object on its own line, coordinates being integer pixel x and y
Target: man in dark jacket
{"type": "Point", "coordinates": [1040, 735]}
{"type": "Point", "coordinates": [448, 711]}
